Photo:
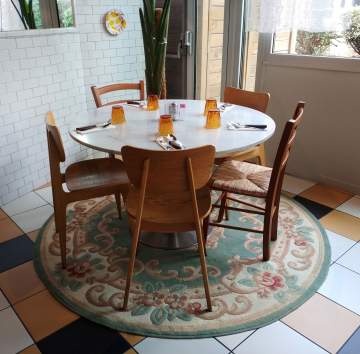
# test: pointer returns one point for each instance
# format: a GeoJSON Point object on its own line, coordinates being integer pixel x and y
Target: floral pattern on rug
{"type": "Point", "coordinates": [167, 295]}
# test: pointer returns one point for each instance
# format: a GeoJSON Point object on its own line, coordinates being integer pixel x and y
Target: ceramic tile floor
{"type": "Point", "coordinates": [32, 322]}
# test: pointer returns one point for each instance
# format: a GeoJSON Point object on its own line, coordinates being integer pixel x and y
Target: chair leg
{"type": "Point", "coordinates": [266, 238]}
{"type": "Point", "coordinates": [222, 208]}
{"type": "Point", "coordinates": [262, 157]}
{"type": "Point", "coordinates": [60, 222]}
{"type": "Point", "coordinates": [205, 232]}
{"type": "Point", "coordinates": [274, 224]}
{"type": "Point", "coordinates": [118, 203]}
{"type": "Point", "coordinates": [131, 265]}
{"type": "Point", "coordinates": [203, 264]}
{"type": "Point", "coordinates": [226, 210]}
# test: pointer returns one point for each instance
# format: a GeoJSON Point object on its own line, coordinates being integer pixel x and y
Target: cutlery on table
{"type": "Point", "coordinates": [88, 127]}
{"type": "Point", "coordinates": [242, 126]}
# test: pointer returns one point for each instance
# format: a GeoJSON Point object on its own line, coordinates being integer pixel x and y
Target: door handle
{"type": "Point", "coordinates": [188, 42]}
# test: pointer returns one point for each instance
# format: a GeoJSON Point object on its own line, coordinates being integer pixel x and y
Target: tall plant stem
{"type": "Point", "coordinates": [21, 17]}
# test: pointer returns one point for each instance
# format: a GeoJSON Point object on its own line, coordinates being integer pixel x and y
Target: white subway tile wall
{"type": "Point", "coordinates": [54, 72]}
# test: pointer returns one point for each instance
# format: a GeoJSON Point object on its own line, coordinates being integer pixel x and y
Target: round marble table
{"type": "Point", "coordinates": [141, 128]}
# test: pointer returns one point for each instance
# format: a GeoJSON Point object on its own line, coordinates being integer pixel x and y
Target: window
{"type": "Point", "coordinates": [333, 44]}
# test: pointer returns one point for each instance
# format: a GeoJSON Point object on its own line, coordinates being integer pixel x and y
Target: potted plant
{"type": "Point", "coordinates": [155, 31]}
{"type": "Point", "coordinates": [26, 13]}
{"type": "Point", "coordinates": [352, 31]}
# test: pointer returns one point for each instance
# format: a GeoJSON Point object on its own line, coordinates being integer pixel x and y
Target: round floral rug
{"type": "Point", "coordinates": [167, 295]}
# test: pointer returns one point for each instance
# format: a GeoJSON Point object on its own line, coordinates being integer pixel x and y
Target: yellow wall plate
{"type": "Point", "coordinates": [115, 22]}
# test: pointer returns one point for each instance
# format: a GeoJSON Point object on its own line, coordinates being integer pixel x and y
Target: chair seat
{"type": "Point", "coordinates": [166, 214]}
{"type": "Point", "coordinates": [242, 178]}
{"type": "Point", "coordinates": [96, 174]}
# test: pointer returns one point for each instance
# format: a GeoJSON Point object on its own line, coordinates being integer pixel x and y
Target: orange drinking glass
{"type": "Point", "coordinates": [213, 120]}
{"type": "Point", "coordinates": [118, 115]}
{"type": "Point", "coordinates": [211, 103]}
{"type": "Point", "coordinates": [166, 125]}
{"type": "Point", "coordinates": [152, 103]}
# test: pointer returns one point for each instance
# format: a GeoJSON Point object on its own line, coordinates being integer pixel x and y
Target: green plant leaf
{"type": "Point", "coordinates": [182, 315]}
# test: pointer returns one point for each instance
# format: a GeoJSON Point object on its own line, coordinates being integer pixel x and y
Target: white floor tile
{"type": "Point", "coordinates": [180, 346]}
{"type": "Point", "coordinates": [33, 219]}
{"type": "Point", "coordinates": [13, 335]}
{"type": "Point", "coordinates": [351, 259]}
{"type": "Point", "coordinates": [277, 338]}
{"type": "Point", "coordinates": [234, 340]}
{"type": "Point", "coordinates": [46, 194]}
{"type": "Point", "coordinates": [339, 244]}
{"type": "Point", "coordinates": [296, 185]}
{"type": "Point", "coordinates": [24, 203]}
{"type": "Point", "coordinates": [342, 286]}
{"type": "Point", "coordinates": [3, 302]}
{"type": "Point", "coordinates": [352, 206]}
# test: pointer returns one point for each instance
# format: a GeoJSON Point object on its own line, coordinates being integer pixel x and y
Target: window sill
{"type": "Point", "coordinates": [38, 32]}
{"type": "Point", "coordinates": [312, 62]}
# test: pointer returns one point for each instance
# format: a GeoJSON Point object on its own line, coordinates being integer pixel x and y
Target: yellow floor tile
{"type": "Point", "coordinates": [9, 230]}
{"type": "Point", "coordinates": [43, 315]}
{"type": "Point", "coordinates": [31, 350]}
{"type": "Point", "coordinates": [130, 351]}
{"type": "Point", "coordinates": [132, 338]}
{"type": "Point", "coordinates": [330, 327]}
{"type": "Point", "coordinates": [326, 195]}
{"type": "Point", "coordinates": [33, 234]}
{"type": "Point", "coordinates": [343, 224]}
{"type": "Point", "coordinates": [20, 282]}
{"type": "Point", "coordinates": [288, 194]}
{"type": "Point", "coordinates": [2, 215]}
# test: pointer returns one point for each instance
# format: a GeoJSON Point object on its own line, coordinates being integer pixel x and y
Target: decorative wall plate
{"type": "Point", "coordinates": [115, 22]}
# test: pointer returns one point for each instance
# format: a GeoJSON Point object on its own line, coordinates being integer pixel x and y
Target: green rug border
{"type": "Point", "coordinates": [198, 334]}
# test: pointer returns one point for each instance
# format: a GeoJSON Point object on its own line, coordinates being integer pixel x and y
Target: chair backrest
{"type": "Point", "coordinates": [56, 150]}
{"type": "Point", "coordinates": [283, 153]}
{"type": "Point", "coordinates": [254, 100]}
{"type": "Point", "coordinates": [168, 171]}
{"type": "Point", "coordinates": [98, 91]}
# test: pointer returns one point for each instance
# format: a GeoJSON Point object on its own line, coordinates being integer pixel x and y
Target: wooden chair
{"type": "Point", "coordinates": [84, 180]}
{"type": "Point", "coordinates": [98, 91]}
{"type": "Point", "coordinates": [254, 100]}
{"type": "Point", "coordinates": [168, 193]}
{"type": "Point", "coordinates": [242, 178]}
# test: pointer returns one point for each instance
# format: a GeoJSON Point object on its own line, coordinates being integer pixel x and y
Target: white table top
{"type": "Point", "coordinates": [141, 128]}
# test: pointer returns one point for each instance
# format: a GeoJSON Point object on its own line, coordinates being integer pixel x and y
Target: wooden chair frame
{"type": "Point", "coordinates": [255, 100]}
{"type": "Point", "coordinates": [98, 91]}
{"type": "Point", "coordinates": [61, 198]}
{"type": "Point", "coordinates": [272, 200]}
{"type": "Point", "coordinates": [146, 189]}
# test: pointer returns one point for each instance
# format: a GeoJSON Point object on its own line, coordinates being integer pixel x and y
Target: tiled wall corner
{"type": "Point", "coordinates": [54, 72]}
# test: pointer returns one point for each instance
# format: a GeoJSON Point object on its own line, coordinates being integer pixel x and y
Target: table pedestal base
{"type": "Point", "coordinates": [170, 240]}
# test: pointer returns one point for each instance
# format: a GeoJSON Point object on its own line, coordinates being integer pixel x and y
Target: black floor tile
{"type": "Point", "coordinates": [352, 346]}
{"type": "Point", "coordinates": [15, 252]}
{"type": "Point", "coordinates": [84, 337]}
{"type": "Point", "coordinates": [316, 209]}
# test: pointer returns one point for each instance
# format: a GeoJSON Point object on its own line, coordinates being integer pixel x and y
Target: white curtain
{"type": "Point", "coordinates": [270, 16]}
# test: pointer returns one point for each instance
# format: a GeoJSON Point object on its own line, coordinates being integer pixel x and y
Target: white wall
{"type": "Point", "coordinates": [52, 70]}
{"type": "Point", "coordinates": [327, 148]}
